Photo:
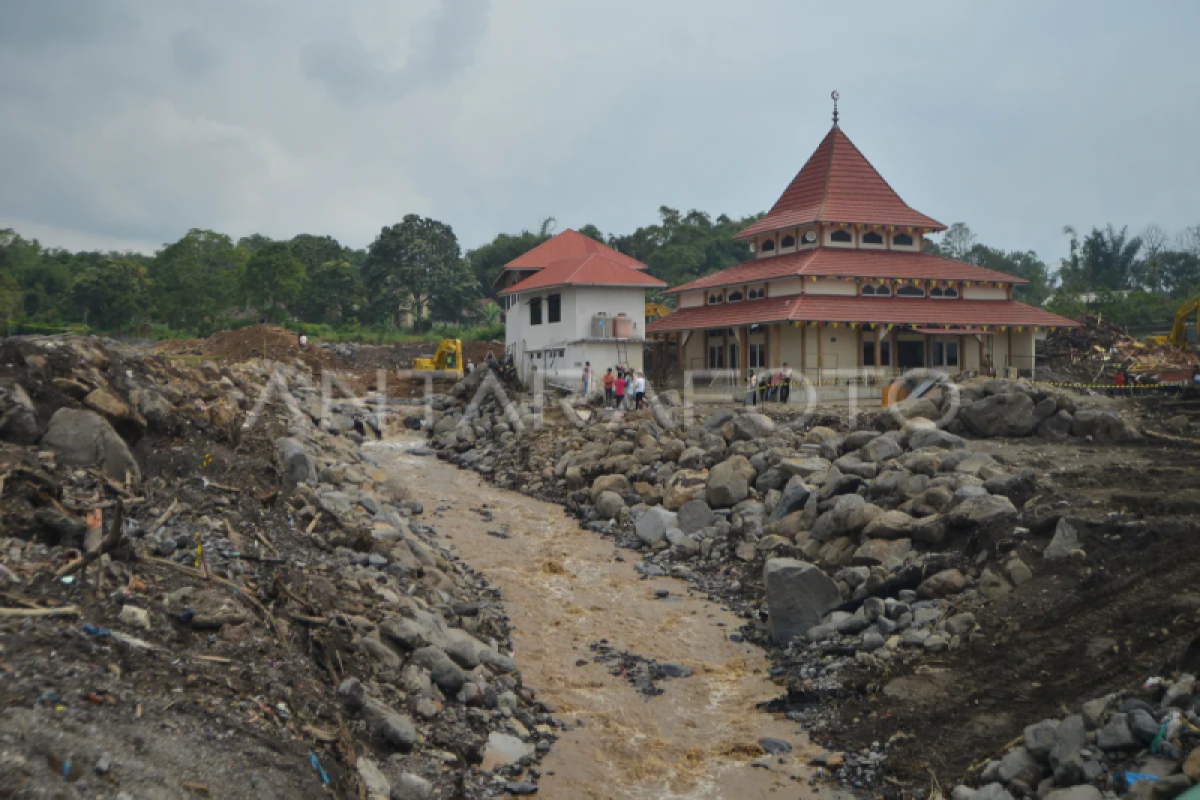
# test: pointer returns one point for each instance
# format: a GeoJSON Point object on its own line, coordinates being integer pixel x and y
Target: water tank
{"type": "Point", "coordinates": [623, 327]}
{"type": "Point", "coordinates": [602, 327]}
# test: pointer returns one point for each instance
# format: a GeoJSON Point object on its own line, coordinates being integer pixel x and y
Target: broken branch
{"type": "Point", "coordinates": [106, 545]}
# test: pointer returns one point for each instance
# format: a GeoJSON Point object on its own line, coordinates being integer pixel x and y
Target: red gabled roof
{"type": "Point", "coordinates": [569, 244]}
{"type": "Point", "coordinates": [589, 270]}
{"type": "Point", "coordinates": [838, 184]}
{"type": "Point", "coordinates": [839, 308]}
{"type": "Point", "coordinates": [847, 262]}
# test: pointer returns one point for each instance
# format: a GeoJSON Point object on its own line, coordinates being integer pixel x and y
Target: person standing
{"type": "Point", "coordinates": [639, 391]}
{"type": "Point", "coordinates": [470, 367]}
{"type": "Point", "coordinates": [751, 389]}
{"type": "Point", "coordinates": [785, 388]}
{"type": "Point", "coordinates": [609, 380]}
{"type": "Point", "coordinates": [619, 388]}
{"type": "Point", "coordinates": [587, 378]}
{"type": "Point", "coordinates": [303, 341]}
{"type": "Point", "coordinates": [776, 384]}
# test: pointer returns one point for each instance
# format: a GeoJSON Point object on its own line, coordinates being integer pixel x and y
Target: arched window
{"type": "Point", "coordinates": [935, 292]}
{"type": "Point", "coordinates": [880, 290]}
{"type": "Point", "coordinates": [868, 290]}
{"type": "Point", "coordinates": [757, 293]}
{"type": "Point", "coordinates": [734, 297]}
{"type": "Point", "coordinates": [910, 291]}
{"type": "Point", "coordinates": [842, 236]}
{"type": "Point", "coordinates": [716, 297]}
{"type": "Point", "coordinates": [788, 241]}
{"type": "Point", "coordinates": [768, 245]}
{"type": "Point", "coordinates": [902, 240]}
{"type": "Point", "coordinates": [871, 237]}
{"type": "Point", "coordinates": [943, 293]}
{"type": "Point", "coordinates": [950, 293]}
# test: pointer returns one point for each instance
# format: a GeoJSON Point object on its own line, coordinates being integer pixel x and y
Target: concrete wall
{"type": "Point", "coordinates": [984, 293]}
{"type": "Point", "coordinates": [849, 288]}
{"type": "Point", "coordinates": [689, 299]}
{"type": "Point", "coordinates": [784, 287]}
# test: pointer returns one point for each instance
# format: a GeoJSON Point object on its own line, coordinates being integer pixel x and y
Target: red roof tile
{"type": "Point", "coordinates": [569, 244]}
{"type": "Point", "coordinates": [837, 308]}
{"type": "Point", "coordinates": [838, 262]}
{"type": "Point", "coordinates": [838, 184]}
{"type": "Point", "coordinates": [922, 311]}
{"type": "Point", "coordinates": [589, 270]}
{"type": "Point", "coordinates": [726, 315]}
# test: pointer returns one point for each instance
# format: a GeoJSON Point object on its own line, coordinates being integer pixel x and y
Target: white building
{"type": "Point", "coordinates": [570, 301]}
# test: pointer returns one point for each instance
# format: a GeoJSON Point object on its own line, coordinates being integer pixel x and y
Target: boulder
{"type": "Point", "coordinates": [729, 482]}
{"type": "Point", "coordinates": [880, 449]}
{"type": "Point", "coordinates": [982, 509]}
{"type": "Point", "coordinates": [85, 439]}
{"type": "Point", "coordinates": [1039, 738]}
{"type": "Point", "coordinates": [684, 485]}
{"type": "Point", "coordinates": [849, 515]}
{"type": "Point", "coordinates": [881, 551]}
{"type": "Point", "coordinates": [798, 595]}
{"type": "Point", "coordinates": [410, 786]}
{"type": "Point", "coordinates": [609, 483]}
{"type": "Point", "coordinates": [1006, 414]}
{"type": "Point", "coordinates": [609, 504]}
{"type": "Point", "coordinates": [1102, 426]}
{"type": "Point", "coordinates": [1065, 541]}
{"type": "Point", "coordinates": [890, 525]}
{"type": "Point", "coordinates": [942, 584]}
{"type": "Point", "coordinates": [695, 515]}
{"type": "Point", "coordinates": [122, 416]}
{"type": "Point", "coordinates": [652, 526]}
{"type": "Point", "coordinates": [19, 422]}
{"type": "Point", "coordinates": [794, 498]}
{"type": "Point", "coordinates": [1116, 735]}
{"type": "Point", "coordinates": [803, 467]}
{"type": "Point", "coordinates": [747, 427]}
{"type": "Point", "coordinates": [935, 438]}
{"type": "Point", "coordinates": [1065, 758]}
{"type": "Point", "coordinates": [1057, 426]}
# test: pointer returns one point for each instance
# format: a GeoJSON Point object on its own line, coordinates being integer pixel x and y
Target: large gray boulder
{"type": "Point", "coordinates": [849, 515]}
{"type": "Point", "coordinates": [18, 422]}
{"type": "Point", "coordinates": [298, 465]}
{"type": "Point", "coordinates": [880, 449]}
{"type": "Point", "coordinates": [652, 526]}
{"type": "Point", "coordinates": [982, 509]}
{"type": "Point", "coordinates": [798, 596]}
{"type": "Point", "coordinates": [695, 515]}
{"type": "Point", "coordinates": [1056, 426]}
{"type": "Point", "coordinates": [85, 439]}
{"type": "Point", "coordinates": [1102, 426]}
{"type": "Point", "coordinates": [890, 525]}
{"type": "Point", "coordinates": [935, 438]}
{"type": "Point", "coordinates": [1065, 541]}
{"type": "Point", "coordinates": [794, 498]}
{"type": "Point", "coordinates": [1008, 414]}
{"type": "Point", "coordinates": [729, 482]}
{"type": "Point", "coordinates": [747, 427]}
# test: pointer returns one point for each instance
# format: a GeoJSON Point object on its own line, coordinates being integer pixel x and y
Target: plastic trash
{"type": "Point", "coordinates": [316, 762]}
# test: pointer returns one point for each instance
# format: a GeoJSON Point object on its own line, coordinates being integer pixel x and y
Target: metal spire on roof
{"type": "Point", "coordinates": [835, 97]}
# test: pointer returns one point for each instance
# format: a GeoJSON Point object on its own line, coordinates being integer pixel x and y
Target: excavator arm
{"type": "Point", "coordinates": [1178, 336]}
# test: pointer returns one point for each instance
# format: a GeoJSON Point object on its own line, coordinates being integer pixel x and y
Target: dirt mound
{"type": "Point", "coordinates": [1097, 351]}
{"type": "Point", "coordinates": [244, 344]}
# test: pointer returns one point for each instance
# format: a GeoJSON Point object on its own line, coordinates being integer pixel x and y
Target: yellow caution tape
{"type": "Point", "coordinates": [1111, 385]}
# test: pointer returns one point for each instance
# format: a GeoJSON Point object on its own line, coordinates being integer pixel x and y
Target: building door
{"type": "Point", "coordinates": [945, 354]}
{"type": "Point", "coordinates": [910, 354]}
{"type": "Point", "coordinates": [716, 356]}
{"type": "Point", "coordinates": [733, 356]}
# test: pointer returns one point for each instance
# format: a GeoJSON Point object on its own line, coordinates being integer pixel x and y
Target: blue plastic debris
{"type": "Point", "coordinates": [317, 765]}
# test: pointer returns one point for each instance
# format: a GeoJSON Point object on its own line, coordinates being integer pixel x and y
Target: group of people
{"type": "Point", "coordinates": [618, 387]}
{"type": "Point", "coordinates": [772, 386]}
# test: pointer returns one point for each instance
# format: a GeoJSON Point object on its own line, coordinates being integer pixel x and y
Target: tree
{"type": "Point", "coordinates": [415, 269]}
{"type": "Point", "coordinates": [956, 242]}
{"type": "Point", "coordinates": [254, 242]}
{"type": "Point", "coordinates": [273, 277]}
{"type": "Point", "coordinates": [333, 292]}
{"type": "Point", "coordinates": [592, 232]}
{"type": "Point", "coordinates": [1105, 259]}
{"type": "Point", "coordinates": [487, 261]}
{"type": "Point", "coordinates": [683, 247]}
{"type": "Point", "coordinates": [196, 279]}
{"type": "Point", "coordinates": [111, 294]}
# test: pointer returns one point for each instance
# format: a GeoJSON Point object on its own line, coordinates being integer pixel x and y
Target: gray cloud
{"type": "Point", "coordinates": [134, 120]}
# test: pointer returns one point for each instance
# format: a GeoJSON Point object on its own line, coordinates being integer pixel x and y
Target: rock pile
{"type": "Point", "coordinates": [260, 557]}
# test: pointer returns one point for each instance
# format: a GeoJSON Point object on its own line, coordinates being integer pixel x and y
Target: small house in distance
{"type": "Point", "coordinates": [840, 283]}
{"type": "Point", "coordinates": [571, 300]}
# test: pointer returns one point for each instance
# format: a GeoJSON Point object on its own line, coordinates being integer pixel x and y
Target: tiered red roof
{"type": "Point", "coordinates": [842, 263]}
{"type": "Point", "coordinates": [838, 184]}
{"type": "Point", "coordinates": [569, 244]}
{"type": "Point", "coordinates": [595, 269]}
{"type": "Point", "coordinates": [825, 308]}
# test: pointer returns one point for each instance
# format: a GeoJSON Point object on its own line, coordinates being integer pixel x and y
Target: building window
{"type": "Point", "coordinates": [535, 311]}
{"type": "Point", "coordinates": [734, 296]}
{"type": "Point", "coordinates": [877, 290]}
{"type": "Point", "coordinates": [945, 354]}
{"type": "Point", "coordinates": [758, 355]}
{"type": "Point", "coordinates": [902, 240]}
{"type": "Point", "coordinates": [943, 293]}
{"type": "Point", "coordinates": [910, 291]}
{"type": "Point", "coordinates": [734, 356]}
{"type": "Point", "coordinates": [871, 237]}
{"type": "Point", "coordinates": [716, 297]}
{"type": "Point", "coordinates": [842, 237]}
{"type": "Point", "coordinates": [757, 294]}
{"type": "Point", "coordinates": [716, 356]}
{"type": "Point", "coordinates": [788, 241]}
{"type": "Point", "coordinates": [554, 308]}
{"type": "Point", "coordinates": [885, 353]}
{"type": "Point", "coordinates": [768, 245]}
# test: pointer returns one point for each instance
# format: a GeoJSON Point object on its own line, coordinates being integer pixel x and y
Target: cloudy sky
{"type": "Point", "coordinates": [127, 122]}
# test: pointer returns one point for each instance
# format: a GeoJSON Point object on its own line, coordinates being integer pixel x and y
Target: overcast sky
{"type": "Point", "coordinates": [127, 122]}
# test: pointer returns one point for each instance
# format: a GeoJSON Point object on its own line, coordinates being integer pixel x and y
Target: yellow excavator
{"type": "Point", "coordinates": [656, 311]}
{"type": "Point", "coordinates": [1178, 335]}
{"type": "Point", "coordinates": [448, 358]}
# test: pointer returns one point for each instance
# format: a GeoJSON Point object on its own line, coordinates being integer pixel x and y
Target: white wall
{"type": "Point", "coordinates": [784, 287]}
{"type": "Point", "coordinates": [689, 299]}
{"type": "Point", "coordinates": [831, 287]}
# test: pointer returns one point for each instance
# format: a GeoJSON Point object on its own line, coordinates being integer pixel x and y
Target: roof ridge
{"type": "Point", "coordinates": [828, 171]}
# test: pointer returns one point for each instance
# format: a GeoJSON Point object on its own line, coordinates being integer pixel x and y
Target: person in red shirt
{"type": "Point", "coordinates": [619, 387]}
{"type": "Point", "coordinates": [609, 380]}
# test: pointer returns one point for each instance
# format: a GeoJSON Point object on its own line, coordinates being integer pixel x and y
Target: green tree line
{"type": "Point", "coordinates": [415, 274]}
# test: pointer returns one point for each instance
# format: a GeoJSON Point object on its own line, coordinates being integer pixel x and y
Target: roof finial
{"type": "Point", "coordinates": [835, 97]}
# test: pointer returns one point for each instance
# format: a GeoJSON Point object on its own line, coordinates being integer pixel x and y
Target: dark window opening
{"type": "Point", "coordinates": [758, 355]}
{"type": "Point", "coordinates": [554, 308]}
{"type": "Point", "coordinates": [872, 238]}
{"type": "Point", "coordinates": [734, 297]}
{"type": "Point", "coordinates": [844, 237]}
{"type": "Point", "coordinates": [910, 291]}
{"type": "Point", "coordinates": [715, 298]}
{"type": "Point", "coordinates": [885, 353]}
{"type": "Point", "coordinates": [535, 311]}
{"type": "Point", "coordinates": [768, 245]}
{"type": "Point", "coordinates": [902, 239]}
{"type": "Point", "coordinates": [788, 241]}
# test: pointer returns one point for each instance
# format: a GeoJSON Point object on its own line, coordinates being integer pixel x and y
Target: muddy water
{"type": "Point", "coordinates": [564, 589]}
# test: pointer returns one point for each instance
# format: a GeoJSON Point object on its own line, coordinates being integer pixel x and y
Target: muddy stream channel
{"type": "Point", "coordinates": [566, 589]}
